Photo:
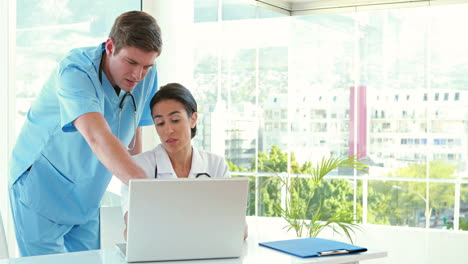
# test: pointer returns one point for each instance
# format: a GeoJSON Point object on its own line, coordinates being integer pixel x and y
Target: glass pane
{"type": "Point", "coordinates": [397, 203]}
{"type": "Point", "coordinates": [273, 82]}
{"type": "Point", "coordinates": [441, 204]}
{"type": "Point", "coordinates": [238, 10]}
{"type": "Point", "coordinates": [273, 70]}
{"type": "Point", "coordinates": [463, 209]}
{"type": "Point", "coordinates": [251, 204]}
{"type": "Point", "coordinates": [205, 10]}
{"type": "Point", "coordinates": [238, 91]}
{"type": "Point", "coordinates": [206, 90]}
{"type": "Point", "coordinates": [321, 74]}
{"type": "Point", "coordinates": [393, 74]}
{"type": "Point", "coordinates": [269, 196]}
{"type": "Point", "coordinates": [448, 111]}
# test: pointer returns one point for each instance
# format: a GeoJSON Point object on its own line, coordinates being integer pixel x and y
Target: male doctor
{"type": "Point", "coordinates": [76, 135]}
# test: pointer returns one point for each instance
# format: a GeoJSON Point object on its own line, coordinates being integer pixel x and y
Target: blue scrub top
{"type": "Point", "coordinates": [66, 181]}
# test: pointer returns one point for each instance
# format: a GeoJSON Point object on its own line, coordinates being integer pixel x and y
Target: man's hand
{"type": "Point", "coordinates": [107, 147]}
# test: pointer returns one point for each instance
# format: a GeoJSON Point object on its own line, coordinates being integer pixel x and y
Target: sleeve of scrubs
{"type": "Point", "coordinates": [77, 95]}
{"type": "Point", "coordinates": [146, 118]}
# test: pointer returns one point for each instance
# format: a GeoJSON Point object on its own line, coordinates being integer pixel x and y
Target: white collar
{"type": "Point", "coordinates": [165, 166]}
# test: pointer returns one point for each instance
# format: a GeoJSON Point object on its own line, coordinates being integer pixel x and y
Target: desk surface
{"type": "Point", "coordinates": [252, 253]}
{"type": "Point", "coordinates": [113, 256]}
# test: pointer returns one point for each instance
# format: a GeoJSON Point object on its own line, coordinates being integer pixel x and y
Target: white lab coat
{"type": "Point", "coordinates": [202, 162]}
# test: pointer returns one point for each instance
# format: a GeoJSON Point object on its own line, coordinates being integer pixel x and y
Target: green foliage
{"type": "Point", "coordinates": [463, 224]}
{"type": "Point", "coordinates": [270, 188]}
{"type": "Point", "coordinates": [308, 211]}
{"type": "Point", "coordinates": [402, 202]}
{"type": "Point", "coordinates": [382, 206]}
{"type": "Point", "coordinates": [251, 198]}
{"type": "Point", "coordinates": [234, 167]}
{"type": "Point", "coordinates": [337, 194]}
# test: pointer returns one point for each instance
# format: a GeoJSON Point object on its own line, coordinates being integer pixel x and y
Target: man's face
{"type": "Point", "coordinates": [128, 67]}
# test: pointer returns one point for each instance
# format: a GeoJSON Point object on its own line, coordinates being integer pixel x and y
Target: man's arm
{"type": "Point", "coordinates": [107, 147]}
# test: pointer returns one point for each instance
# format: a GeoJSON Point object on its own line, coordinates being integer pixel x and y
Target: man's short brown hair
{"type": "Point", "coordinates": [136, 29]}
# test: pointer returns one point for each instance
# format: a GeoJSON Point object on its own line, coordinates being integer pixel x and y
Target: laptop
{"type": "Point", "coordinates": [185, 219]}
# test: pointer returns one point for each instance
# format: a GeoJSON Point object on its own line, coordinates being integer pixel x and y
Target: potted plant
{"type": "Point", "coordinates": [304, 211]}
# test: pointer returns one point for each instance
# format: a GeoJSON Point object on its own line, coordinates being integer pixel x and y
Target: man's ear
{"type": "Point", "coordinates": [109, 47]}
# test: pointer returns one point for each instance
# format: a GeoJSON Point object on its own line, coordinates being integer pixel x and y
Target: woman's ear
{"type": "Point", "coordinates": [193, 121]}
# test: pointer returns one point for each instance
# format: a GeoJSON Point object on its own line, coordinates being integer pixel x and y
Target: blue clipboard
{"type": "Point", "coordinates": [313, 247]}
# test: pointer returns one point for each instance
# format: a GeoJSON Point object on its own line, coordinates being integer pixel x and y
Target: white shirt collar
{"type": "Point", "coordinates": [198, 164]}
{"type": "Point", "coordinates": [162, 160]}
{"type": "Point", "coordinates": [165, 166]}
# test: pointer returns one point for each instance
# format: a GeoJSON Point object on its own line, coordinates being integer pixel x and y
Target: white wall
{"type": "Point", "coordinates": [175, 18]}
{"type": "Point", "coordinates": [7, 108]}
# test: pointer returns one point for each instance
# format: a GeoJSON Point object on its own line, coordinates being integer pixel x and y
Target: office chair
{"type": "Point", "coordinates": [3, 243]}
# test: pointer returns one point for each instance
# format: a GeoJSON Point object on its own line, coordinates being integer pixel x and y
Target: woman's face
{"type": "Point", "coordinates": [173, 125]}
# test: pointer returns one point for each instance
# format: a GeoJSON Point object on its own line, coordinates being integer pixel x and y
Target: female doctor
{"type": "Point", "coordinates": [174, 112]}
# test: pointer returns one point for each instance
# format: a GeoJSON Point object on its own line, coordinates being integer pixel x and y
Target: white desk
{"type": "Point", "coordinates": [260, 230]}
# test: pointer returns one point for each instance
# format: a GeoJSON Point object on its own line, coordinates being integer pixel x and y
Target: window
{"type": "Point", "coordinates": [284, 113]}
{"type": "Point", "coordinates": [277, 58]}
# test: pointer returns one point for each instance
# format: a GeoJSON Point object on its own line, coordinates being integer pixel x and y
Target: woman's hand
{"type": "Point", "coordinates": [125, 230]}
{"type": "Point", "coordinates": [246, 232]}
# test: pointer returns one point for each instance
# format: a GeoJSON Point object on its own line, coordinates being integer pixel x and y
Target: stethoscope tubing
{"type": "Point", "coordinates": [121, 105]}
{"type": "Point", "coordinates": [196, 176]}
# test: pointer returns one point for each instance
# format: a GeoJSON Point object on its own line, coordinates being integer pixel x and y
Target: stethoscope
{"type": "Point", "coordinates": [203, 174]}
{"type": "Point", "coordinates": [121, 105]}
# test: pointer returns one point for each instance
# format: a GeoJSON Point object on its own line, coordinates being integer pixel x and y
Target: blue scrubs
{"type": "Point", "coordinates": [55, 203]}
